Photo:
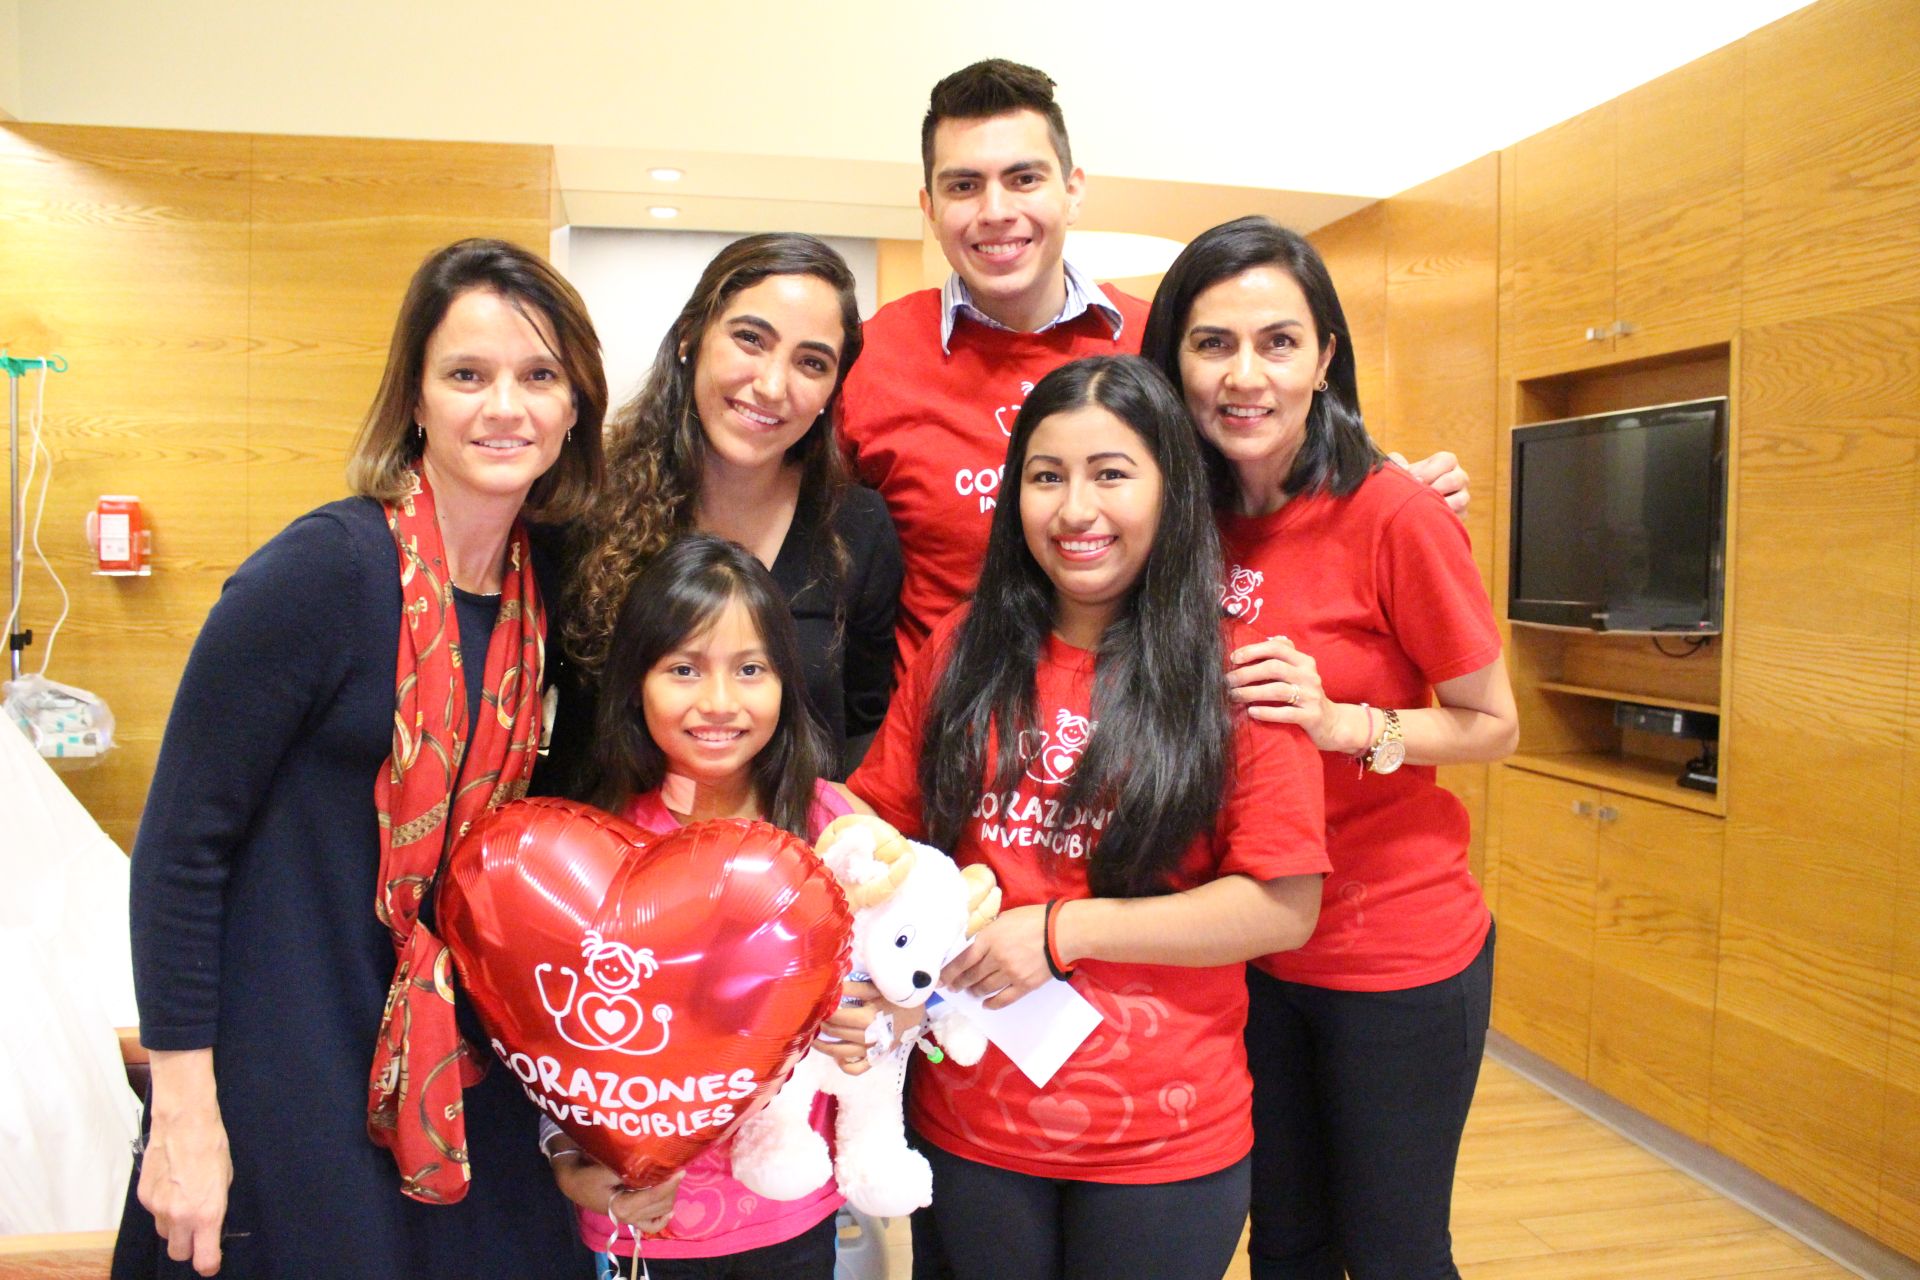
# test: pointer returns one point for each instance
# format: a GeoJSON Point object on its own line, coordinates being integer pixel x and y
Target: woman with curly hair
{"type": "Point", "coordinates": [732, 434]}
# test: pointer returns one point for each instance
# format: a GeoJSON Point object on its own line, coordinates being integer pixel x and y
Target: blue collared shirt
{"type": "Point", "coordinates": [1082, 294]}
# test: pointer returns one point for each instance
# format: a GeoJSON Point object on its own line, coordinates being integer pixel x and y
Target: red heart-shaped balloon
{"type": "Point", "coordinates": [646, 991]}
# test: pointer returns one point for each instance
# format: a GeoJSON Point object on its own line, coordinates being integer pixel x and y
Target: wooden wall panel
{"type": "Point", "coordinates": [1832, 207]}
{"type": "Point", "coordinates": [1655, 960]}
{"type": "Point", "coordinates": [126, 252]}
{"type": "Point", "coordinates": [339, 225]}
{"type": "Point", "coordinates": [1828, 463]}
{"type": "Point", "coordinates": [1355, 250]}
{"type": "Point", "coordinates": [1900, 1150]}
{"type": "Point", "coordinates": [1677, 208]}
{"type": "Point", "coordinates": [1443, 241]}
{"type": "Point", "coordinates": [226, 302]}
{"type": "Point", "coordinates": [899, 270]}
{"type": "Point", "coordinates": [1543, 963]}
{"type": "Point", "coordinates": [1561, 209]}
{"type": "Point", "coordinates": [1442, 265]}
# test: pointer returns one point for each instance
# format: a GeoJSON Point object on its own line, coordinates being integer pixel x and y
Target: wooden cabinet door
{"type": "Point", "coordinates": [1679, 166]}
{"type": "Point", "coordinates": [1563, 243]}
{"type": "Point", "coordinates": [1543, 959]}
{"type": "Point", "coordinates": [1656, 944]}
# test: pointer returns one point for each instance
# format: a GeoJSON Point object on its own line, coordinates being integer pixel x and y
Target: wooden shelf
{"type": "Point", "coordinates": [1629, 775]}
{"type": "Point", "coordinates": [1627, 695]}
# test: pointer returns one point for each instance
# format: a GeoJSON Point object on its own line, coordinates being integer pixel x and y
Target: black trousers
{"type": "Point", "coordinates": [808, 1256]}
{"type": "Point", "coordinates": [1359, 1099]}
{"type": "Point", "coordinates": [996, 1225]}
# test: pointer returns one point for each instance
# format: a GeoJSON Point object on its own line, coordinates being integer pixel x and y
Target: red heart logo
{"type": "Point", "coordinates": [1061, 1120]}
{"type": "Point", "coordinates": [646, 991]}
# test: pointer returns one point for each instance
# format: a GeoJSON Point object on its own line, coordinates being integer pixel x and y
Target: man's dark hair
{"type": "Point", "coordinates": [995, 87]}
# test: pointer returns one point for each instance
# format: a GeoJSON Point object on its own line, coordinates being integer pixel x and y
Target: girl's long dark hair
{"type": "Point", "coordinates": [1337, 453]}
{"type": "Point", "coordinates": [680, 595]}
{"type": "Point", "coordinates": [1160, 751]}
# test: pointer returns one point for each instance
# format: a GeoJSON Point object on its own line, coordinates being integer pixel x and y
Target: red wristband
{"type": "Point", "coordinates": [1054, 966]}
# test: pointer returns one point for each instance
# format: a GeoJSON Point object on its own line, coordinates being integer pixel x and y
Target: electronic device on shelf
{"type": "Point", "coordinates": [1669, 721]}
{"type": "Point", "coordinates": [1702, 773]}
{"type": "Point", "coordinates": [1619, 520]}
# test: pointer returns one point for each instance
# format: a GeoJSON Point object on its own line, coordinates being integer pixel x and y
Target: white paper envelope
{"type": "Point", "coordinates": [1039, 1031]}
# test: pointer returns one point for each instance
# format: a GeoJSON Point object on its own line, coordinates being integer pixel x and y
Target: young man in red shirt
{"type": "Point", "coordinates": [925, 414]}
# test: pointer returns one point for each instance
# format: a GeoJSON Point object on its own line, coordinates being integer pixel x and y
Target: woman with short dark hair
{"type": "Point", "coordinates": [367, 685]}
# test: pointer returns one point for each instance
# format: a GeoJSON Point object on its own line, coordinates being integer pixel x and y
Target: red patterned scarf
{"type": "Point", "coordinates": [421, 1064]}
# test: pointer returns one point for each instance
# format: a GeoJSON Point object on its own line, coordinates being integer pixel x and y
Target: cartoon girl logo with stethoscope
{"type": "Point", "coordinates": [1052, 756]}
{"type": "Point", "coordinates": [1238, 600]}
{"type": "Point", "coordinates": [608, 1016]}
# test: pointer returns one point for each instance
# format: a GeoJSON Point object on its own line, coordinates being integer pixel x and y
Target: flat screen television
{"type": "Point", "coordinates": [1619, 520]}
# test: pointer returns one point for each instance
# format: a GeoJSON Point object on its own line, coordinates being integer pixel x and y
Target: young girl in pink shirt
{"type": "Point", "coordinates": [703, 716]}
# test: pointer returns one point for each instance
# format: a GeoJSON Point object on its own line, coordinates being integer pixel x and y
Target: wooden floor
{"type": "Point", "coordinates": [1544, 1193]}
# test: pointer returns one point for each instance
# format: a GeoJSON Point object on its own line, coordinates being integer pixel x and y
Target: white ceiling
{"type": "Point", "coordinates": [1352, 97]}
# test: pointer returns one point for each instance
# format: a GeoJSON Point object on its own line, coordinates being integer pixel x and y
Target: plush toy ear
{"type": "Point", "coordinates": [983, 896]}
{"type": "Point", "coordinates": [867, 856]}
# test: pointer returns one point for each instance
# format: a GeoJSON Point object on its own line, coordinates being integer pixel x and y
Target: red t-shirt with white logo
{"type": "Point", "coordinates": [1381, 591]}
{"type": "Point", "coordinates": [1159, 1091]}
{"type": "Point", "coordinates": [929, 429]}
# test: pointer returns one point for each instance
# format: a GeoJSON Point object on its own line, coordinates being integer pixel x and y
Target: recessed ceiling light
{"type": "Point", "coordinates": [665, 174]}
{"type": "Point", "coordinates": [663, 211]}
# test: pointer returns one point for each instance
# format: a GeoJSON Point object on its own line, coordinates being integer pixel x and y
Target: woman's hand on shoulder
{"type": "Point", "coordinates": [186, 1167]}
{"type": "Point", "coordinates": [1005, 960]}
{"type": "Point", "coordinates": [1278, 683]}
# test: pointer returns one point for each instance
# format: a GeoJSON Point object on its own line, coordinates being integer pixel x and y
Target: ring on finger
{"type": "Point", "coordinates": [1293, 695]}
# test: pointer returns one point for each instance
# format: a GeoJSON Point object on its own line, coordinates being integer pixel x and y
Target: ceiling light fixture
{"type": "Point", "coordinates": [663, 211]}
{"type": "Point", "coordinates": [666, 174]}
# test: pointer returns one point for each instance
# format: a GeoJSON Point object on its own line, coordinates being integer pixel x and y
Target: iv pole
{"type": "Point", "coordinates": [17, 368]}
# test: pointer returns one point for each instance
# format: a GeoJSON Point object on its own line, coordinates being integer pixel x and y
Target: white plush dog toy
{"type": "Point", "coordinates": [913, 911]}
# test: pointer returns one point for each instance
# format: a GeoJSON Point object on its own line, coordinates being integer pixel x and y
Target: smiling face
{"type": "Point", "coordinates": [766, 367]}
{"type": "Point", "coordinates": [613, 969]}
{"type": "Point", "coordinates": [1089, 506]}
{"type": "Point", "coordinates": [1000, 206]}
{"type": "Point", "coordinates": [1250, 358]}
{"type": "Point", "coordinates": [494, 401]}
{"type": "Point", "coordinates": [713, 702]}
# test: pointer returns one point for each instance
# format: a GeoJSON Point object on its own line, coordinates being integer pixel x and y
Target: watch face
{"type": "Point", "coordinates": [1389, 755]}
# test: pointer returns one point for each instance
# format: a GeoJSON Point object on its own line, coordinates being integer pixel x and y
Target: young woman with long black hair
{"type": "Point", "coordinates": [1071, 729]}
{"type": "Point", "coordinates": [1365, 1043]}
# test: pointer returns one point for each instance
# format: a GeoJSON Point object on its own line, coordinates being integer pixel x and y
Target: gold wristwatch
{"type": "Point", "coordinates": [1389, 750]}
